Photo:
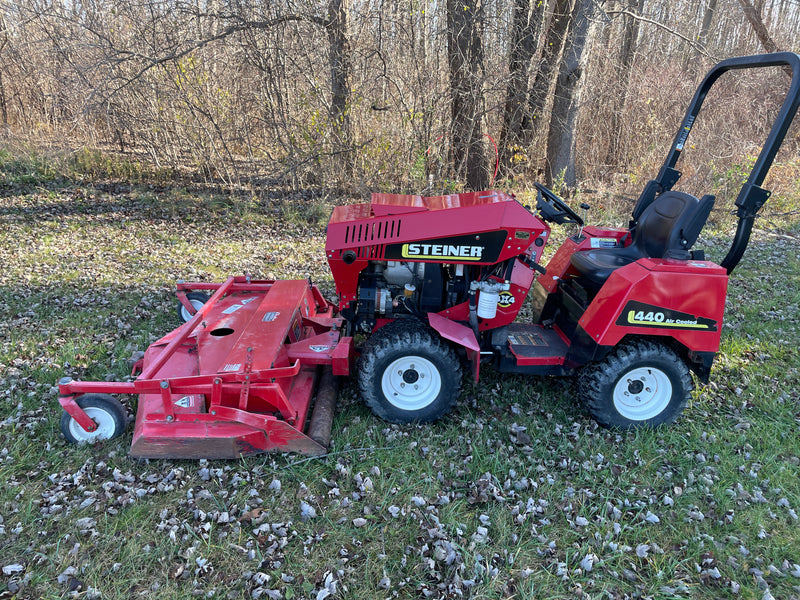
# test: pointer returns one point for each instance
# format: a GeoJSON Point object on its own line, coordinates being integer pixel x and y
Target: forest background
{"type": "Point", "coordinates": [393, 96]}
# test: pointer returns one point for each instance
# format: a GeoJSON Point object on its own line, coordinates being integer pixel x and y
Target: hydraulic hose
{"type": "Point", "coordinates": [473, 314]}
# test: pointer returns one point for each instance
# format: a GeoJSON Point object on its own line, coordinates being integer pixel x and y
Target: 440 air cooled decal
{"type": "Point", "coordinates": [483, 247]}
{"type": "Point", "coordinates": [639, 314]}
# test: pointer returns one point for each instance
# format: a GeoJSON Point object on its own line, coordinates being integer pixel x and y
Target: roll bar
{"type": "Point", "coordinates": [752, 196]}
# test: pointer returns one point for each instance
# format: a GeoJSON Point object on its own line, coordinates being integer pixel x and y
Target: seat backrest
{"type": "Point", "coordinates": [671, 224]}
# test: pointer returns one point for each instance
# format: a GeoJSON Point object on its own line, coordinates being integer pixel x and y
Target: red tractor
{"type": "Point", "coordinates": [437, 283]}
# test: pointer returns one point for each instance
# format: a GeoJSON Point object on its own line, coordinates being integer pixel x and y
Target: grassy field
{"type": "Point", "coordinates": [516, 494]}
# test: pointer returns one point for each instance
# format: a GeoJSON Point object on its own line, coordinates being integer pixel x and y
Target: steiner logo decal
{"type": "Point", "coordinates": [442, 251]}
{"type": "Point", "coordinates": [480, 247]}
{"type": "Point", "coordinates": [639, 314]}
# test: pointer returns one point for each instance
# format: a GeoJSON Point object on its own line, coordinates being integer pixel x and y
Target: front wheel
{"type": "Point", "coordinates": [639, 384]}
{"type": "Point", "coordinates": [197, 300]}
{"type": "Point", "coordinates": [107, 413]}
{"type": "Point", "coordinates": [409, 374]}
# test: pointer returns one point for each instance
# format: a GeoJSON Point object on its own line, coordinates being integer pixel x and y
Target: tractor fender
{"type": "Point", "coordinates": [681, 300]}
{"type": "Point", "coordinates": [461, 335]}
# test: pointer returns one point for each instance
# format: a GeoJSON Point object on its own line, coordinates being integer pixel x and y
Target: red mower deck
{"type": "Point", "coordinates": [238, 378]}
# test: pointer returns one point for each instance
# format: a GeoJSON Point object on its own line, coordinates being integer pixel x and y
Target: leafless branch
{"type": "Point", "coordinates": [669, 30]}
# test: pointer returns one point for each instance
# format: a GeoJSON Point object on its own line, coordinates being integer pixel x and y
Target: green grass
{"type": "Point", "coordinates": [27, 165]}
{"type": "Point", "coordinates": [87, 279]}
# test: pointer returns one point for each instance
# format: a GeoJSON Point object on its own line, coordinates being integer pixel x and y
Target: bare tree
{"type": "Point", "coordinates": [622, 73]}
{"type": "Point", "coordinates": [465, 58]}
{"type": "Point", "coordinates": [3, 44]}
{"type": "Point", "coordinates": [708, 17]}
{"type": "Point", "coordinates": [753, 15]}
{"type": "Point", "coordinates": [525, 25]}
{"type": "Point", "coordinates": [340, 77]}
{"type": "Point", "coordinates": [555, 34]}
{"type": "Point", "coordinates": [562, 133]}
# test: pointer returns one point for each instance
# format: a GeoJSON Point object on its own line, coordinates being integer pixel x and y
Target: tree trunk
{"type": "Point", "coordinates": [540, 90]}
{"type": "Point", "coordinates": [340, 78]}
{"type": "Point", "coordinates": [630, 34]}
{"type": "Point", "coordinates": [3, 105]}
{"type": "Point", "coordinates": [527, 19]}
{"type": "Point", "coordinates": [756, 22]}
{"type": "Point", "coordinates": [708, 17]}
{"type": "Point", "coordinates": [563, 120]}
{"type": "Point", "coordinates": [604, 37]}
{"type": "Point", "coordinates": [465, 57]}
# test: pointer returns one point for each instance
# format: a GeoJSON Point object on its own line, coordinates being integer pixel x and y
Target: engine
{"type": "Point", "coordinates": [402, 256]}
{"type": "Point", "coordinates": [387, 289]}
{"type": "Point", "coordinates": [392, 289]}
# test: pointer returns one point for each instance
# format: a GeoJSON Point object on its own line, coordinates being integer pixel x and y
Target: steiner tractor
{"type": "Point", "coordinates": [437, 283]}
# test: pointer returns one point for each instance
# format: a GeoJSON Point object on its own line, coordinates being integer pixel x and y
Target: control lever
{"type": "Point", "coordinates": [585, 208]}
{"type": "Point", "coordinates": [533, 264]}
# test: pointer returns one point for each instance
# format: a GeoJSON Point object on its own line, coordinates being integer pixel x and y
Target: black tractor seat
{"type": "Point", "coordinates": [667, 228]}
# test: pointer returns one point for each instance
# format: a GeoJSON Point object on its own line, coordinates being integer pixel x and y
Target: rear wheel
{"type": "Point", "coordinates": [407, 373]}
{"type": "Point", "coordinates": [107, 413]}
{"type": "Point", "coordinates": [639, 384]}
{"type": "Point", "coordinates": [197, 300]}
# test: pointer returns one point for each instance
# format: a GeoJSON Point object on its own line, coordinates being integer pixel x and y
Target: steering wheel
{"type": "Point", "coordinates": [554, 208]}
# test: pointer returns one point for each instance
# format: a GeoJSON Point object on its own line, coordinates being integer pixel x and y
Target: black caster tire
{"type": "Point", "coordinates": [196, 299]}
{"type": "Point", "coordinates": [106, 411]}
{"type": "Point", "coordinates": [639, 384]}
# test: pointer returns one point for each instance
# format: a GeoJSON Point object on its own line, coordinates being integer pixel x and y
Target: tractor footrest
{"type": "Point", "coordinates": [534, 345]}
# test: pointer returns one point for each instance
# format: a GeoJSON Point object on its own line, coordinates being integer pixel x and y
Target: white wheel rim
{"type": "Point", "coordinates": [105, 426]}
{"type": "Point", "coordinates": [642, 393]}
{"type": "Point", "coordinates": [411, 383]}
{"type": "Point", "coordinates": [197, 304]}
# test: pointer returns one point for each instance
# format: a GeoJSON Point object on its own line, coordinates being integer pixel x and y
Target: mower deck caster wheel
{"type": "Point", "coordinates": [639, 384]}
{"type": "Point", "coordinates": [107, 413]}
{"type": "Point", "coordinates": [196, 299]}
{"type": "Point", "coordinates": [408, 374]}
